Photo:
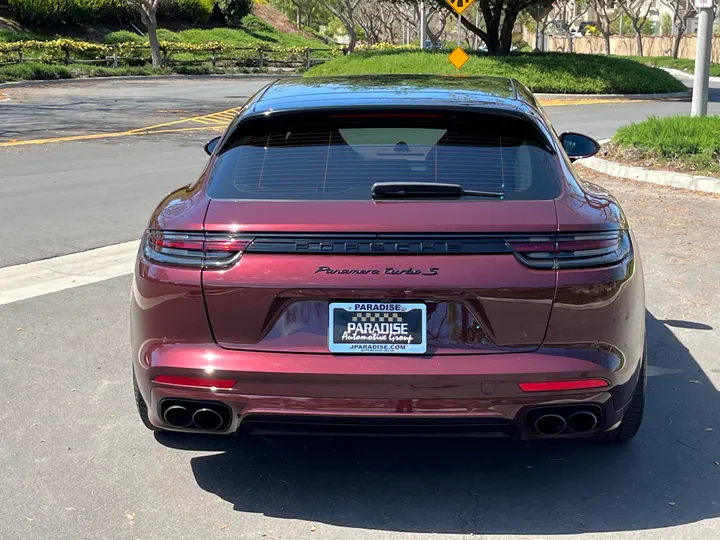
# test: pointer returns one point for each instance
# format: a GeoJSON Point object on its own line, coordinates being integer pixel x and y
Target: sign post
{"type": "Point", "coordinates": [458, 57]}
{"type": "Point", "coordinates": [702, 57]}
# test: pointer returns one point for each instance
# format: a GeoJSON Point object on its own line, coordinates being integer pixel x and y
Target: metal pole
{"type": "Point", "coordinates": [477, 24]}
{"type": "Point", "coordinates": [422, 25]}
{"type": "Point", "coordinates": [458, 29]}
{"type": "Point", "coordinates": [702, 63]}
{"type": "Point", "coordinates": [622, 22]}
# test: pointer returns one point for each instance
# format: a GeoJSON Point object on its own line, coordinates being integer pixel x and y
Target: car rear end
{"type": "Point", "coordinates": [277, 295]}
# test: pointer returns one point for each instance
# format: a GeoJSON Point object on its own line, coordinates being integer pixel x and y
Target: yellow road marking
{"type": "Point", "coordinates": [559, 102]}
{"type": "Point", "coordinates": [207, 122]}
{"type": "Point", "coordinates": [220, 119]}
{"type": "Point", "coordinates": [95, 136]}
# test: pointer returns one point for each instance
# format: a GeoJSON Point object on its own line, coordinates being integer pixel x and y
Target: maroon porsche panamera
{"type": "Point", "coordinates": [391, 255]}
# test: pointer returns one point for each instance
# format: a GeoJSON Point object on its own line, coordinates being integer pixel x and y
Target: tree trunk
{"type": "Point", "coordinates": [677, 38]}
{"type": "Point", "coordinates": [638, 38]}
{"type": "Point", "coordinates": [353, 38]}
{"type": "Point", "coordinates": [298, 17]}
{"type": "Point", "coordinates": [606, 38]}
{"type": "Point", "coordinates": [506, 32]}
{"type": "Point", "coordinates": [569, 43]}
{"type": "Point", "coordinates": [150, 22]}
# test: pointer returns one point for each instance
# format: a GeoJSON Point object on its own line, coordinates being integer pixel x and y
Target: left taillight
{"type": "Point", "coordinates": [568, 251]}
{"type": "Point", "coordinates": [194, 249]}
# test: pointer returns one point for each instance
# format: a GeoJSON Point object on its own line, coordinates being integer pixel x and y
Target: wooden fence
{"type": "Point", "coordinates": [625, 45]}
{"type": "Point", "coordinates": [226, 56]}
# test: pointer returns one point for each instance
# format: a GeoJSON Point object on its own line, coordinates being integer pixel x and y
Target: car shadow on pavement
{"type": "Point", "coordinates": [668, 475]}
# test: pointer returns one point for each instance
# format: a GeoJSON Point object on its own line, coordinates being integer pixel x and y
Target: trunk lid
{"type": "Point", "coordinates": [452, 256]}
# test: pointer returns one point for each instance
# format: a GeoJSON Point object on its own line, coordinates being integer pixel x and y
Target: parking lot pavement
{"type": "Point", "coordinates": [64, 198]}
{"type": "Point", "coordinates": [78, 464]}
{"type": "Point", "coordinates": [101, 106]}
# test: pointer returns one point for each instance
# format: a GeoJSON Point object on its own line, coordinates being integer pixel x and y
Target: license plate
{"type": "Point", "coordinates": [377, 328]}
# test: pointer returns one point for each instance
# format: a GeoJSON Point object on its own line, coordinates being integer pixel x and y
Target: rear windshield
{"type": "Point", "coordinates": [342, 160]}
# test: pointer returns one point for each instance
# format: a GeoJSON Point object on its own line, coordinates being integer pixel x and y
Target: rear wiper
{"type": "Point", "coordinates": [426, 190]}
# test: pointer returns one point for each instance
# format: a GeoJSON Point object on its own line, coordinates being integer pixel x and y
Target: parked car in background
{"type": "Point", "coordinates": [583, 28]}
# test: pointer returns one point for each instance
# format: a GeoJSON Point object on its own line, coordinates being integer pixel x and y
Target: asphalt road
{"type": "Point", "coordinates": [70, 196]}
{"type": "Point", "coordinates": [78, 464]}
{"type": "Point", "coordinates": [101, 106]}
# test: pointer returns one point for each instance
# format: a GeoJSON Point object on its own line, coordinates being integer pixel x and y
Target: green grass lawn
{"type": "Point", "coordinates": [550, 72]}
{"type": "Point", "coordinates": [682, 64]}
{"type": "Point", "coordinates": [252, 30]}
{"type": "Point", "coordinates": [682, 142]}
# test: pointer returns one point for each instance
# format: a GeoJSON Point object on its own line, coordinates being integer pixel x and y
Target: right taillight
{"type": "Point", "coordinates": [194, 249]}
{"type": "Point", "coordinates": [566, 251]}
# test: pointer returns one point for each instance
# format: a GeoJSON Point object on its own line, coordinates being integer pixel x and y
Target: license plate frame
{"type": "Point", "coordinates": [391, 340]}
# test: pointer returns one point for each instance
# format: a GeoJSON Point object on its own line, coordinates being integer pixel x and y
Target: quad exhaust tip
{"type": "Point", "coordinates": [552, 421]}
{"type": "Point", "coordinates": [582, 421]}
{"type": "Point", "coordinates": [205, 416]}
{"type": "Point", "coordinates": [550, 424]}
{"type": "Point", "coordinates": [178, 416]}
{"type": "Point", "coordinates": [207, 419]}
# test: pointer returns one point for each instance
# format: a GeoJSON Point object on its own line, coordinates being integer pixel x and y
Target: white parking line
{"type": "Point", "coordinates": [59, 273]}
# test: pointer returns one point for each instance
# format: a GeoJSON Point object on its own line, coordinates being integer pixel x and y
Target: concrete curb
{"type": "Point", "coordinates": [664, 178]}
{"type": "Point", "coordinates": [679, 73]}
{"type": "Point", "coordinates": [269, 76]}
{"type": "Point", "coordinates": [643, 97]}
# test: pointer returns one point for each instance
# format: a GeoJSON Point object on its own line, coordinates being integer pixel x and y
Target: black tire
{"type": "Point", "coordinates": [142, 406]}
{"type": "Point", "coordinates": [632, 420]}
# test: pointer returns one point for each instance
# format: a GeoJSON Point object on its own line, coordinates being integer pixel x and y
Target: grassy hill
{"type": "Point", "coordinates": [265, 24]}
{"type": "Point", "coordinates": [541, 72]}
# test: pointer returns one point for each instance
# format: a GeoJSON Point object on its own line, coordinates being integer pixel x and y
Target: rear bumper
{"type": "Point", "coordinates": [464, 394]}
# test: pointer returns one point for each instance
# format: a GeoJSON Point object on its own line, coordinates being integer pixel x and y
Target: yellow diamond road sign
{"type": "Point", "coordinates": [458, 58]}
{"type": "Point", "coordinates": [459, 5]}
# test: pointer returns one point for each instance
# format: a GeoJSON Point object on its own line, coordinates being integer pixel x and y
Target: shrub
{"type": "Point", "coordinates": [196, 11]}
{"type": "Point", "coordinates": [163, 34]}
{"type": "Point", "coordinates": [123, 36]}
{"type": "Point", "coordinates": [234, 10]}
{"type": "Point", "coordinates": [256, 24]}
{"type": "Point", "coordinates": [666, 24]}
{"type": "Point", "coordinates": [45, 13]}
{"type": "Point", "coordinates": [33, 71]}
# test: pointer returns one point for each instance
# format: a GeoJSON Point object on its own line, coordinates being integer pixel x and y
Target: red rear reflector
{"type": "Point", "coordinates": [562, 385]}
{"type": "Point", "coordinates": [194, 381]}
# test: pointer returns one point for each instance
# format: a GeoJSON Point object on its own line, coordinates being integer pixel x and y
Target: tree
{"type": "Point", "coordinates": [234, 10]}
{"type": "Point", "coordinates": [408, 14]}
{"type": "Point", "coordinates": [369, 20]}
{"type": "Point", "coordinates": [637, 11]}
{"type": "Point", "coordinates": [499, 18]}
{"type": "Point", "coordinates": [606, 15]}
{"type": "Point", "coordinates": [571, 11]}
{"type": "Point", "coordinates": [682, 12]}
{"type": "Point", "coordinates": [148, 16]}
{"type": "Point", "coordinates": [442, 16]}
{"type": "Point", "coordinates": [388, 20]}
{"type": "Point", "coordinates": [346, 12]}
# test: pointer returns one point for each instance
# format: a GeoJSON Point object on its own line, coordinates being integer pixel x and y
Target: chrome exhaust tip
{"type": "Point", "coordinates": [207, 419]}
{"type": "Point", "coordinates": [582, 421]}
{"type": "Point", "coordinates": [550, 424]}
{"type": "Point", "coordinates": [178, 416]}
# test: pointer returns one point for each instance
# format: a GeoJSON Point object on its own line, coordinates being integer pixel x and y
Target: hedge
{"type": "Point", "coordinates": [80, 47]}
{"type": "Point", "coordinates": [50, 13]}
{"type": "Point", "coordinates": [44, 13]}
